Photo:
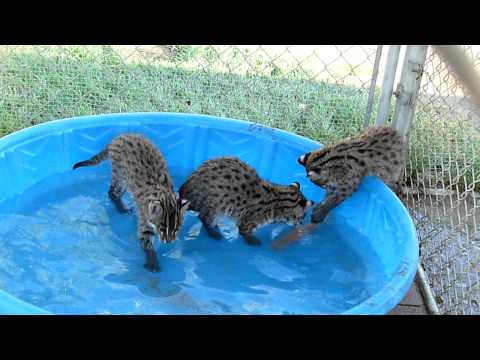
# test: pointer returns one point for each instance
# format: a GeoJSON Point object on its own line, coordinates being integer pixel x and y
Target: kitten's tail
{"type": "Point", "coordinates": [101, 156]}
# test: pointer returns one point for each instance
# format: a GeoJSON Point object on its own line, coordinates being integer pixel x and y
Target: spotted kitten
{"type": "Point", "coordinates": [137, 166]}
{"type": "Point", "coordinates": [341, 167]}
{"type": "Point", "coordinates": [226, 186]}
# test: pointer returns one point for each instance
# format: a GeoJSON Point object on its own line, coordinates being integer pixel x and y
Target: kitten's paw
{"type": "Point", "coordinates": [252, 241]}
{"type": "Point", "coordinates": [152, 267]}
{"type": "Point", "coordinates": [217, 236]}
{"type": "Point", "coordinates": [213, 233]}
{"type": "Point", "coordinates": [125, 210]}
{"type": "Point", "coordinates": [317, 216]}
{"type": "Point", "coordinates": [151, 262]}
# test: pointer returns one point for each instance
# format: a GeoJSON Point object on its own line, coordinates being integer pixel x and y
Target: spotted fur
{"type": "Point", "coordinates": [227, 186]}
{"type": "Point", "coordinates": [138, 167]}
{"type": "Point", "coordinates": [341, 167]}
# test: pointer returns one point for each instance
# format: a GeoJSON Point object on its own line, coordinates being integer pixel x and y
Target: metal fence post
{"type": "Point", "coordinates": [427, 293]}
{"type": "Point", "coordinates": [387, 86]}
{"type": "Point", "coordinates": [408, 87]}
{"type": "Point", "coordinates": [407, 94]}
{"type": "Point", "coordinates": [371, 93]}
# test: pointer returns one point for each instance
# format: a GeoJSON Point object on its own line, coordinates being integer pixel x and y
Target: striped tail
{"type": "Point", "coordinates": [101, 156]}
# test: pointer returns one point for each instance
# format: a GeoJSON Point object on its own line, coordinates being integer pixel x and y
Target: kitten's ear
{"type": "Point", "coordinates": [295, 184]}
{"type": "Point", "coordinates": [302, 160]}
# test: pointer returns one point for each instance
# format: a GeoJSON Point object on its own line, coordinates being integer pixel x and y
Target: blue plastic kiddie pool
{"type": "Point", "coordinates": [64, 249]}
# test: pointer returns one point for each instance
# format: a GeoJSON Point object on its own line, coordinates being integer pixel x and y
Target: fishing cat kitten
{"type": "Point", "coordinates": [227, 186]}
{"type": "Point", "coordinates": [137, 166]}
{"type": "Point", "coordinates": [341, 167]}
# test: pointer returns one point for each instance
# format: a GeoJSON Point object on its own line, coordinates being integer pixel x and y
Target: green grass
{"type": "Point", "coordinates": [447, 151]}
{"type": "Point", "coordinates": [35, 88]}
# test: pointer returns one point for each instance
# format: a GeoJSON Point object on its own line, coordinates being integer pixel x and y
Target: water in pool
{"type": "Point", "coordinates": [64, 248]}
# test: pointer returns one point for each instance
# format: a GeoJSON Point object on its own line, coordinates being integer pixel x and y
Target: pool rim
{"type": "Point", "coordinates": [384, 300]}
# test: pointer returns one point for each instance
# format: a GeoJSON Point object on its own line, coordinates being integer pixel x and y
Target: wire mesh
{"type": "Point", "coordinates": [443, 177]}
{"type": "Point", "coordinates": [317, 91]}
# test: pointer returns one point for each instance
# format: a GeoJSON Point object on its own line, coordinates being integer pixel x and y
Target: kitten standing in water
{"type": "Point", "coordinates": [226, 186]}
{"type": "Point", "coordinates": [341, 167]}
{"type": "Point", "coordinates": [137, 166]}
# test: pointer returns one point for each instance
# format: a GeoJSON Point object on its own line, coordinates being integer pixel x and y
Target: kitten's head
{"type": "Point", "coordinates": [311, 162]}
{"type": "Point", "coordinates": [293, 205]}
{"type": "Point", "coordinates": [165, 216]}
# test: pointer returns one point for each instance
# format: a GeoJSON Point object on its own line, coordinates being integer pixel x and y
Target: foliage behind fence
{"type": "Point", "coordinates": [316, 91]}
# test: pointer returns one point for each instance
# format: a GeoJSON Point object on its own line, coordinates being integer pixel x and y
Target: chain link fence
{"type": "Point", "coordinates": [444, 182]}
{"type": "Point", "coordinates": [321, 92]}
